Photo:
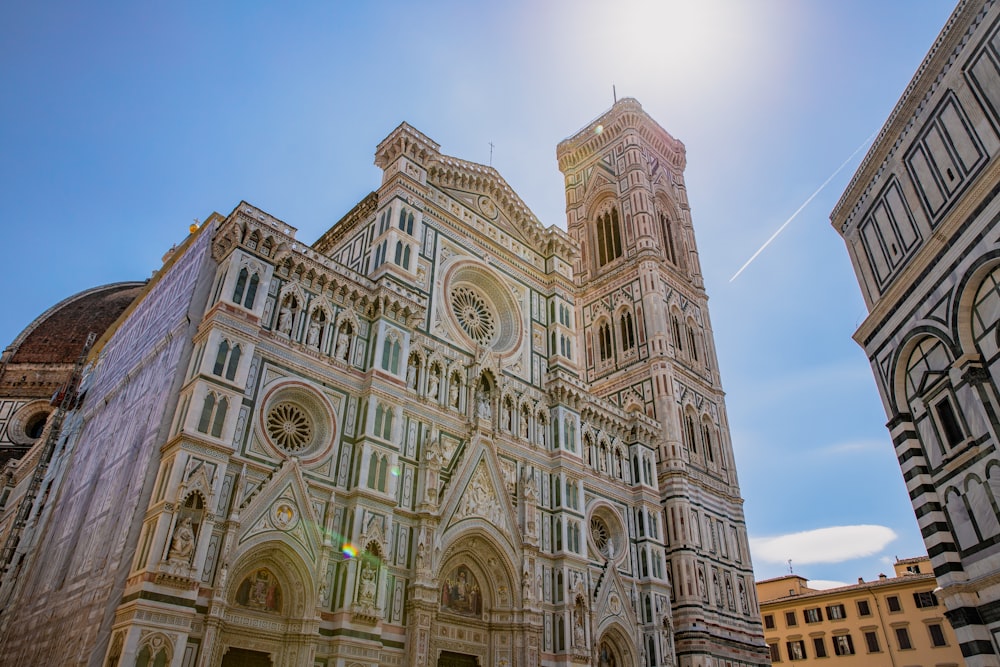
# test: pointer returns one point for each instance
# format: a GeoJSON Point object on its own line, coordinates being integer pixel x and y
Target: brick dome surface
{"type": "Point", "coordinates": [58, 335]}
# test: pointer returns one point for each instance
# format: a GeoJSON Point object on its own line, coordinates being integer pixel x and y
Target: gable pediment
{"type": "Point", "coordinates": [282, 509]}
{"type": "Point", "coordinates": [483, 191]}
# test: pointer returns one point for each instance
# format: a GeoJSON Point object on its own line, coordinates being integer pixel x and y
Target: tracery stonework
{"type": "Point", "coordinates": [342, 462]}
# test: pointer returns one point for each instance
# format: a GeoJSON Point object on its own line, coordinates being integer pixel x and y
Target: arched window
{"type": "Point", "coordinates": [675, 326]}
{"type": "Point", "coordinates": [690, 432]}
{"type": "Point", "coordinates": [398, 259]}
{"type": "Point", "coordinates": [220, 358]}
{"type": "Point", "coordinates": [390, 354]}
{"type": "Point", "coordinates": [213, 415]}
{"type": "Point", "coordinates": [402, 219]}
{"type": "Point", "coordinates": [692, 343]}
{"type": "Point", "coordinates": [251, 291]}
{"type": "Point", "coordinates": [372, 469]}
{"type": "Point", "coordinates": [241, 285]}
{"type": "Point", "coordinates": [706, 437]}
{"type": "Point", "coordinates": [609, 239]}
{"type": "Point", "coordinates": [220, 417]}
{"type": "Point", "coordinates": [928, 383]}
{"type": "Point", "coordinates": [627, 331]}
{"type": "Point", "coordinates": [406, 257]}
{"type": "Point", "coordinates": [227, 360]}
{"type": "Point", "coordinates": [666, 228]}
{"type": "Point", "coordinates": [604, 341]}
{"type": "Point", "coordinates": [383, 422]}
{"type": "Point", "coordinates": [383, 467]}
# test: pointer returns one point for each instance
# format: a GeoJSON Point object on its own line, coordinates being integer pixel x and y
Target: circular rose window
{"type": "Point", "coordinates": [296, 420]}
{"type": "Point", "coordinates": [482, 307]}
{"type": "Point", "coordinates": [289, 426]}
{"type": "Point", "coordinates": [473, 314]}
{"type": "Point", "coordinates": [606, 533]}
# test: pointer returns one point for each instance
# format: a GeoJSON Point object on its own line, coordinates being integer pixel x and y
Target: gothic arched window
{"type": "Point", "coordinates": [609, 237]}
{"type": "Point", "coordinates": [604, 341]}
{"type": "Point", "coordinates": [627, 331]}
{"type": "Point", "coordinates": [666, 227]}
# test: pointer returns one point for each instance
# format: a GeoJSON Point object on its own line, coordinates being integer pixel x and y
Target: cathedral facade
{"type": "Point", "coordinates": [441, 435]}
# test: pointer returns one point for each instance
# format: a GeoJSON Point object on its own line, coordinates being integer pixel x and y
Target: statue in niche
{"type": "Point", "coordinates": [260, 591]}
{"type": "Point", "coordinates": [524, 424]}
{"type": "Point", "coordinates": [312, 338]}
{"type": "Point", "coordinates": [285, 319]}
{"type": "Point", "coordinates": [484, 403]}
{"type": "Point", "coordinates": [411, 374]}
{"type": "Point", "coordinates": [579, 629]}
{"type": "Point", "coordinates": [743, 598]}
{"type": "Point", "coordinates": [460, 593]}
{"type": "Point", "coordinates": [432, 383]}
{"type": "Point", "coordinates": [453, 393]}
{"type": "Point", "coordinates": [182, 545]}
{"type": "Point", "coordinates": [367, 594]}
{"type": "Point", "coordinates": [343, 344]}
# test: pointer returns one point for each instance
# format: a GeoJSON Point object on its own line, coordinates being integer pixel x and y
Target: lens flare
{"type": "Point", "coordinates": [349, 550]}
{"type": "Point", "coordinates": [394, 471]}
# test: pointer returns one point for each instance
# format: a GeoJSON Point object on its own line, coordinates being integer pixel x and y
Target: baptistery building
{"type": "Point", "coordinates": [919, 219]}
{"type": "Point", "coordinates": [441, 435]}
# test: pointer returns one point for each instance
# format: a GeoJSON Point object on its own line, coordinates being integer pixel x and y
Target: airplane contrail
{"type": "Point", "coordinates": [804, 204]}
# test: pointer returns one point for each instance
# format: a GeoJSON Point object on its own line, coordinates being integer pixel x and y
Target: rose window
{"type": "Point", "coordinates": [473, 314]}
{"type": "Point", "coordinates": [601, 534]}
{"type": "Point", "coordinates": [289, 426]}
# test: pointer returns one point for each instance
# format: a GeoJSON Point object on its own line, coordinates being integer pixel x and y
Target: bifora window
{"type": "Point", "coordinates": [609, 237]}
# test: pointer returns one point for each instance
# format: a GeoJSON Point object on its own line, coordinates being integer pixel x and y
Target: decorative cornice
{"type": "Point", "coordinates": [942, 55]}
{"type": "Point", "coordinates": [624, 116]}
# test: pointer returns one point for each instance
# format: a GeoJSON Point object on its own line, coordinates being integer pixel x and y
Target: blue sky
{"type": "Point", "coordinates": [122, 122]}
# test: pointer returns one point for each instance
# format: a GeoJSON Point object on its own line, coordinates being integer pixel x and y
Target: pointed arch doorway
{"type": "Point", "coordinates": [450, 659]}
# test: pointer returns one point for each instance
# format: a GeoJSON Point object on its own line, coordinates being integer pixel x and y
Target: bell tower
{"type": "Point", "coordinates": [646, 344]}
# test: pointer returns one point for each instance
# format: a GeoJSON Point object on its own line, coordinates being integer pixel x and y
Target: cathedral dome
{"type": "Point", "coordinates": [58, 334]}
{"type": "Point", "coordinates": [39, 360]}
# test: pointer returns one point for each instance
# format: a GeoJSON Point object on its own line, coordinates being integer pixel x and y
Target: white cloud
{"type": "Point", "coordinates": [854, 447]}
{"type": "Point", "coordinates": [825, 584]}
{"type": "Point", "coordinates": [822, 545]}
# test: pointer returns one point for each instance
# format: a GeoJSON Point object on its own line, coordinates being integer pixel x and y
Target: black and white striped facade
{"type": "Point", "coordinates": [920, 222]}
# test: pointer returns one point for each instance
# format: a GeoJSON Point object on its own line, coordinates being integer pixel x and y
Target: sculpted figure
{"type": "Point", "coordinates": [312, 338]}
{"type": "Point", "coordinates": [367, 583]}
{"type": "Point", "coordinates": [285, 320]}
{"type": "Point", "coordinates": [182, 545]}
{"type": "Point", "coordinates": [432, 384]}
{"type": "Point", "coordinates": [343, 343]}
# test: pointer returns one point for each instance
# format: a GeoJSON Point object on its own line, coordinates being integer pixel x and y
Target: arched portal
{"type": "Point", "coordinates": [472, 620]}
{"type": "Point", "coordinates": [615, 650]}
{"type": "Point", "coordinates": [269, 594]}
